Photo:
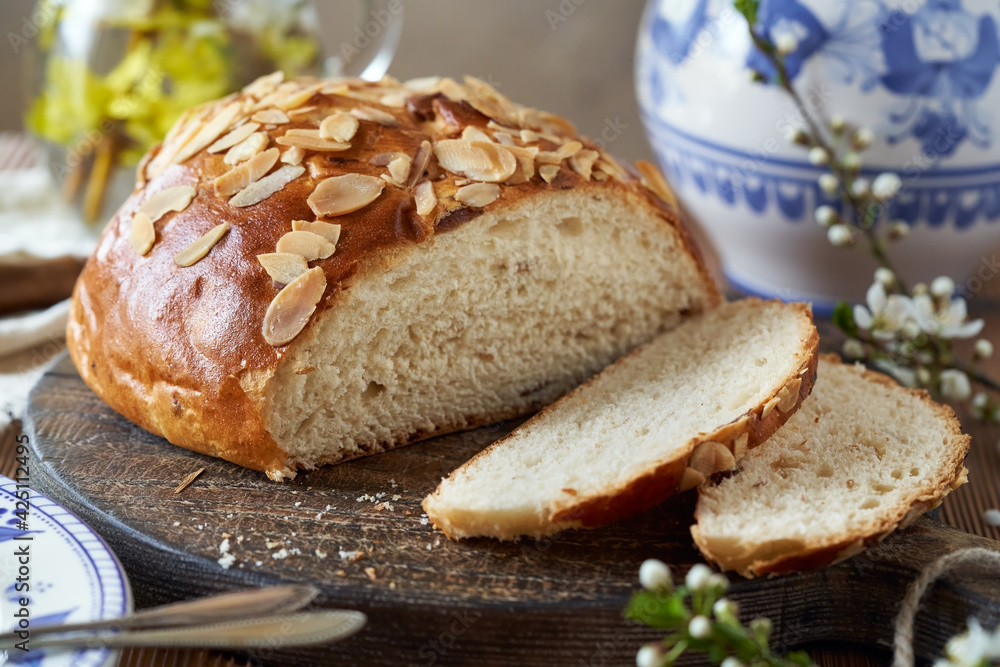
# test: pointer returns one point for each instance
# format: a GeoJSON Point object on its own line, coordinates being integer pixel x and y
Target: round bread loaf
{"type": "Point", "coordinates": [315, 270]}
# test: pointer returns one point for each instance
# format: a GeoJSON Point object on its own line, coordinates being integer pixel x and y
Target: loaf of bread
{"type": "Point", "coordinates": [687, 405]}
{"type": "Point", "coordinates": [861, 458]}
{"type": "Point", "coordinates": [315, 270]}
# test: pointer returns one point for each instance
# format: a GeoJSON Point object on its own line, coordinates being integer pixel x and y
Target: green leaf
{"type": "Point", "coordinates": [843, 317]}
{"type": "Point", "coordinates": [657, 610]}
{"type": "Point", "coordinates": [749, 10]}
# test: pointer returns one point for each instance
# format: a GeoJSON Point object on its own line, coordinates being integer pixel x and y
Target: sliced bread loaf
{"type": "Point", "coordinates": [862, 457]}
{"type": "Point", "coordinates": [659, 421]}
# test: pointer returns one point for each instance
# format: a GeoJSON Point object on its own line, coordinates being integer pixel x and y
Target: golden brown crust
{"type": "Point", "coordinates": [665, 480]}
{"type": "Point", "coordinates": [840, 547]}
{"type": "Point", "coordinates": [180, 351]}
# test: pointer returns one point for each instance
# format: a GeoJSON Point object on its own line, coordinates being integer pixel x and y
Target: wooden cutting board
{"type": "Point", "coordinates": [557, 601]}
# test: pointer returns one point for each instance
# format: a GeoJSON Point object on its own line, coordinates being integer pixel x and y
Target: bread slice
{"type": "Point", "coordinates": [862, 457]}
{"type": "Point", "coordinates": [654, 423]}
{"type": "Point", "coordinates": [479, 260]}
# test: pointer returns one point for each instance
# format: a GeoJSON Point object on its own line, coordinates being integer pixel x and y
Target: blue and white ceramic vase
{"type": "Point", "coordinates": [921, 73]}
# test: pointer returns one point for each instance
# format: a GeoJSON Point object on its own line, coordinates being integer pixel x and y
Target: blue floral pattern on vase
{"type": "Point", "coordinates": [943, 58]}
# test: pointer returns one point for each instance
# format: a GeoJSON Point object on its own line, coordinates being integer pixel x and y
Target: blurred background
{"type": "Point", "coordinates": [572, 57]}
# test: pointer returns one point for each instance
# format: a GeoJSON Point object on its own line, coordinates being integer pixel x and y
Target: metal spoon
{"type": "Point", "coordinates": [255, 603]}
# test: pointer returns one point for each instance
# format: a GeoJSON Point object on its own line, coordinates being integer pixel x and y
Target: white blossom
{"type": "Point", "coordinates": [943, 287]}
{"type": "Point", "coordinates": [984, 348]}
{"type": "Point", "coordinates": [648, 656]}
{"type": "Point", "coordinates": [887, 185]}
{"type": "Point", "coordinates": [947, 321]}
{"type": "Point", "coordinates": [818, 156]}
{"type": "Point", "coordinates": [853, 349]}
{"type": "Point", "coordinates": [839, 234]}
{"type": "Point", "coordinates": [829, 184]}
{"type": "Point", "coordinates": [955, 385]}
{"type": "Point", "coordinates": [972, 647]}
{"type": "Point", "coordinates": [697, 577]}
{"type": "Point", "coordinates": [884, 314]}
{"type": "Point", "coordinates": [826, 216]}
{"type": "Point", "coordinates": [700, 627]}
{"type": "Point", "coordinates": [654, 575]}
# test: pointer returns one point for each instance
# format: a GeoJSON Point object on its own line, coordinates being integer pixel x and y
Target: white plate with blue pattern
{"type": "Point", "coordinates": [72, 577]}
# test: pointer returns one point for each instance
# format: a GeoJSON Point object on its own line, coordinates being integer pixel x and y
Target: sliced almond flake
{"type": "Point", "coordinates": [311, 143]}
{"type": "Point", "coordinates": [478, 160]}
{"type": "Point", "coordinates": [548, 172]}
{"type": "Point", "coordinates": [485, 99]}
{"type": "Point", "coordinates": [548, 157]}
{"type": "Point", "coordinates": [375, 116]}
{"type": "Point", "coordinates": [247, 148]}
{"type": "Point", "coordinates": [383, 159]}
{"type": "Point", "coordinates": [505, 139]}
{"type": "Point", "coordinates": [293, 155]}
{"type": "Point", "coordinates": [394, 99]}
{"type": "Point", "coordinates": [583, 162]}
{"type": "Point", "coordinates": [343, 194]}
{"type": "Point", "coordinates": [301, 111]}
{"type": "Point", "coordinates": [141, 234]}
{"type": "Point", "coordinates": [164, 201]}
{"type": "Point", "coordinates": [399, 168]}
{"type": "Point", "coordinates": [569, 149]}
{"type": "Point", "coordinates": [260, 190]}
{"type": "Point", "coordinates": [472, 133]}
{"type": "Point", "coordinates": [180, 134]}
{"type": "Point", "coordinates": [599, 176]}
{"type": "Point", "coordinates": [493, 125]}
{"type": "Point", "coordinates": [282, 91]}
{"type": "Point", "coordinates": [309, 245]}
{"type": "Point", "coordinates": [610, 166]}
{"type": "Point", "coordinates": [423, 84]}
{"type": "Point", "coordinates": [529, 136]}
{"type": "Point", "coordinates": [291, 309]}
{"type": "Point", "coordinates": [425, 198]}
{"type": "Point", "coordinates": [211, 131]}
{"type": "Point", "coordinates": [654, 181]}
{"type": "Point", "coordinates": [240, 177]}
{"type": "Point", "coordinates": [299, 98]}
{"type": "Point", "coordinates": [525, 163]}
{"type": "Point", "coordinates": [478, 194]}
{"type": "Point", "coordinates": [419, 163]}
{"type": "Point", "coordinates": [336, 89]}
{"type": "Point", "coordinates": [234, 137]}
{"type": "Point", "coordinates": [390, 180]}
{"type": "Point", "coordinates": [283, 267]}
{"type": "Point", "coordinates": [328, 230]}
{"type": "Point", "coordinates": [459, 182]}
{"type": "Point", "coordinates": [197, 250]}
{"type": "Point", "coordinates": [338, 126]}
{"type": "Point", "coordinates": [271, 117]}
{"type": "Point", "coordinates": [265, 84]}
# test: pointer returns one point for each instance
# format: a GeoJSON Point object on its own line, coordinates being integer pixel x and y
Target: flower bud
{"type": "Point", "coordinates": [786, 43]}
{"type": "Point", "coordinates": [725, 608]}
{"type": "Point", "coordinates": [864, 138]}
{"type": "Point", "coordinates": [860, 187]}
{"type": "Point", "coordinates": [887, 185]}
{"type": "Point", "coordinates": [829, 184]}
{"type": "Point", "coordinates": [853, 349]}
{"type": "Point", "coordinates": [898, 230]}
{"type": "Point", "coordinates": [923, 376]}
{"type": "Point", "coordinates": [992, 517]}
{"type": "Point", "coordinates": [818, 156]}
{"type": "Point", "coordinates": [955, 385]}
{"type": "Point", "coordinates": [697, 577]}
{"type": "Point", "coordinates": [984, 348]}
{"type": "Point", "coordinates": [910, 329]}
{"type": "Point", "coordinates": [732, 662]}
{"type": "Point", "coordinates": [919, 289]}
{"type": "Point", "coordinates": [838, 125]}
{"type": "Point", "coordinates": [943, 287]}
{"type": "Point", "coordinates": [980, 401]}
{"type": "Point", "coordinates": [839, 235]}
{"type": "Point", "coordinates": [718, 583]}
{"type": "Point", "coordinates": [885, 276]}
{"type": "Point", "coordinates": [654, 575]}
{"type": "Point", "coordinates": [700, 627]}
{"type": "Point", "coordinates": [826, 216]}
{"type": "Point", "coordinates": [852, 161]}
{"type": "Point", "coordinates": [649, 656]}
